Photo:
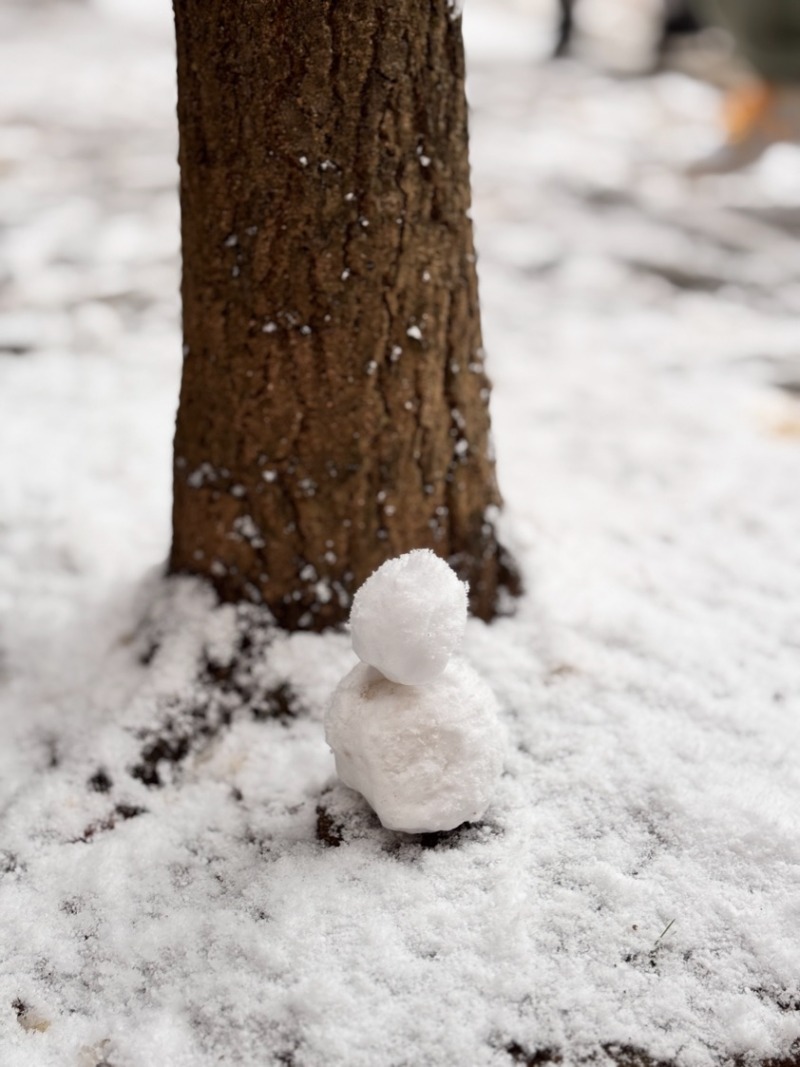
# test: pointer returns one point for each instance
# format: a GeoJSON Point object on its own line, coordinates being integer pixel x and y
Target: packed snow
{"type": "Point", "coordinates": [414, 729]}
{"type": "Point", "coordinates": [183, 881]}
{"type": "Point", "coordinates": [426, 757]}
{"type": "Point", "coordinates": [409, 617]}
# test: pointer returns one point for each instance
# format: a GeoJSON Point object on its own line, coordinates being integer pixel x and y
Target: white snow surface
{"type": "Point", "coordinates": [426, 757]}
{"type": "Point", "coordinates": [182, 881]}
{"type": "Point", "coordinates": [409, 617]}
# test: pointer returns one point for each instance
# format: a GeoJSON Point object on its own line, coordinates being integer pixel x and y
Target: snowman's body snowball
{"type": "Point", "coordinates": [426, 757]}
{"type": "Point", "coordinates": [409, 617]}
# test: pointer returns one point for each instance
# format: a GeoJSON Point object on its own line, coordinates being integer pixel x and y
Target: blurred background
{"type": "Point", "coordinates": [629, 306]}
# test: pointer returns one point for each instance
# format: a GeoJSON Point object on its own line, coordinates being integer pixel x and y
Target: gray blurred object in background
{"type": "Point", "coordinates": [767, 34]}
{"type": "Point", "coordinates": [765, 110]}
{"type": "Point", "coordinates": [677, 19]}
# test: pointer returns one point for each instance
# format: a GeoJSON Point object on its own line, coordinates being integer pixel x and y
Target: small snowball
{"type": "Point", "coordinates": [408, 618]}
{"type": "Point", "coordinates": [426, 758]}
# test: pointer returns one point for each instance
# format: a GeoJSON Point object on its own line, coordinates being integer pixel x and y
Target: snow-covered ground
{"type": "Point", "coordinates": [182, 882]}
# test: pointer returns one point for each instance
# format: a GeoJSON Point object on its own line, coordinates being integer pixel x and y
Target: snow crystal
{"type": "Point", "coordinates": [201, 476]}
{"type": "Point", "coordinates": [415, 332]}
{"type": "Point", "coordinates": [426, 757]}
{"type": "Point", "coordinates": [409, 616]}
{"type": "Point", "coordinates": [323, 591]}
{"type": "Point", "coordinates": [244, 527]}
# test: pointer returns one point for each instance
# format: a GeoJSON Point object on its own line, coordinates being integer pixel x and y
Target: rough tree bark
{"type": "Point", "coordinates": [334, 406]}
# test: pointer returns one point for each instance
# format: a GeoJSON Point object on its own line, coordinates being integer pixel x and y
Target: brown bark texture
{"type": "Point", "coordinates": [334, 407]}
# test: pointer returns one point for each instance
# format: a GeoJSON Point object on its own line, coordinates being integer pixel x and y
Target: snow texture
{"type": "Point", "coordinates": [182, 880]}
{"type": "Point", "coordinates": [409, 617]}
{"type": "Point", "coordinates": [426, 757]}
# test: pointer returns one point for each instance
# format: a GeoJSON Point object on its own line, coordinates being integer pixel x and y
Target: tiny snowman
{"type": "Point", "coordinates": [413, 728]}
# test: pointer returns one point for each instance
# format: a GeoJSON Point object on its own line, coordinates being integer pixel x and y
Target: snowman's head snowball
{"type": "Point", "coordinates": [409, 616]}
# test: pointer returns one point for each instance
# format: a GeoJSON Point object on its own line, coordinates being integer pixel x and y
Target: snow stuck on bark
{"type": "Point", "coordinates": [414, 730]}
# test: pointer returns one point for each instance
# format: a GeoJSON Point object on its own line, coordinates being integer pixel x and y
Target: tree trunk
{"type": "Point", "coordinates": [334, 406]}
